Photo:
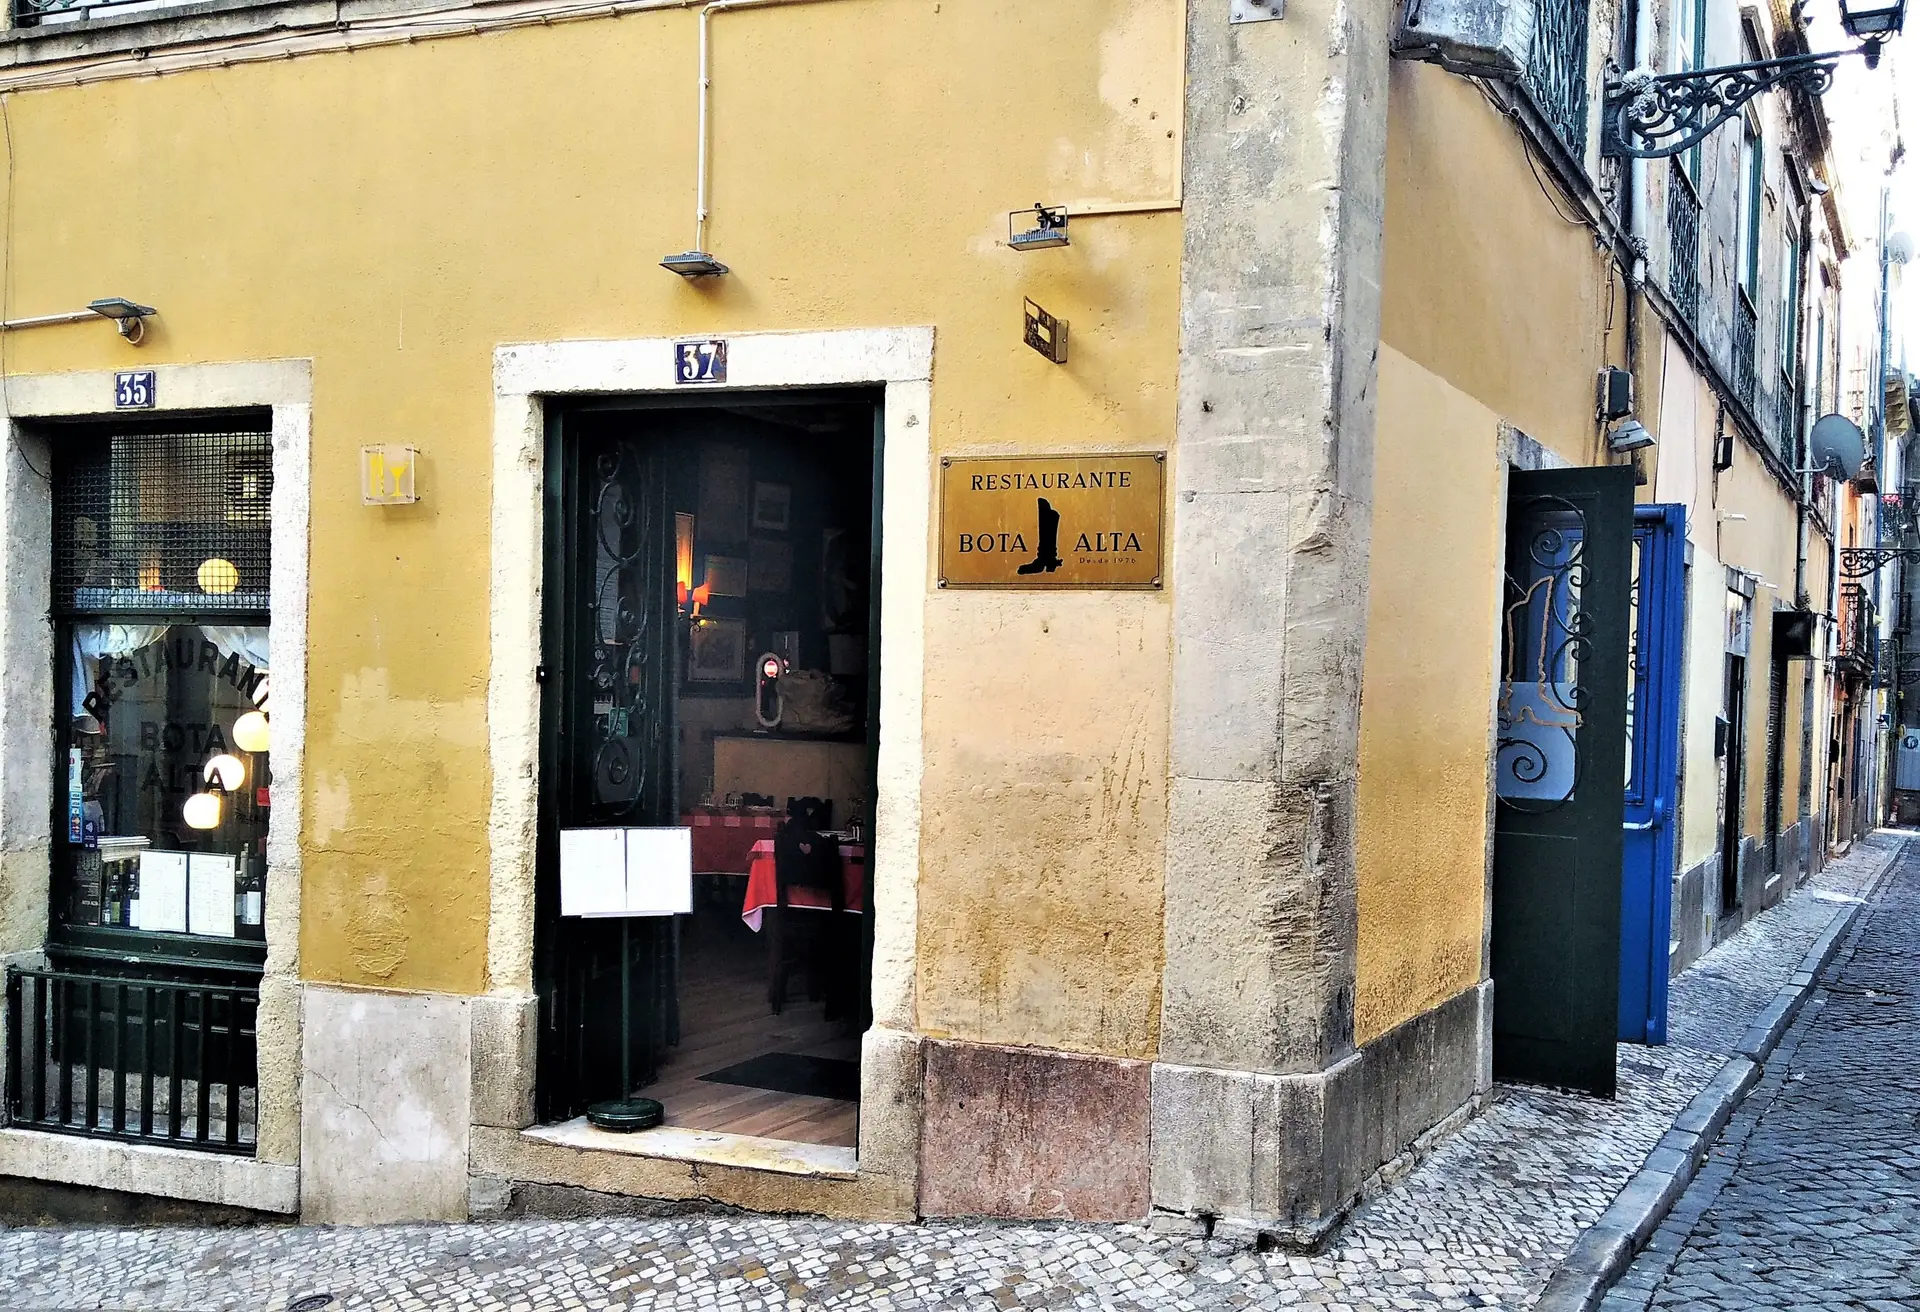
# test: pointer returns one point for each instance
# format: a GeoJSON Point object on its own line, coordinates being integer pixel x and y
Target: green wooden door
{"type": "Point", "coordinates": [1560, 773]}
{"type": "Point", "coordinates": [607, 760]}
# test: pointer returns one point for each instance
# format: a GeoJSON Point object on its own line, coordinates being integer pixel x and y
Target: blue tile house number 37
{"type": "Point", "coordinates": [133, 390]}
{"type": "Point", "coordinates": [700, 362]}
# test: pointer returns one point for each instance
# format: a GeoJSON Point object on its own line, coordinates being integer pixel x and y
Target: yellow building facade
{"type": "Point", "coordinates": [1174, 894]}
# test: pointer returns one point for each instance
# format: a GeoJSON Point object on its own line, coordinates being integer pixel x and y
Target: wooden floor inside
{"type": "Point", "coordinates": [724, 1019]}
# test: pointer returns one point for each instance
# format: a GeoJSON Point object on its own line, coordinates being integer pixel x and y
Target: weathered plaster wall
{"type": "Point", "coordinates": [26, 698]}
{"type": "Point", "coordinates": [321, 208]}
{"type": "Point", "coordinates": [1683, 472]}
{"type": "Point", "coordinates": [1491, 314]}
{"type": "Point", "coordinates": [1738, 517]}
{"type": "Point", "coordinates": [1427, 694]}
{"type": "Point", "coordinates": [1503, 298]}
{"type": "Point", "coordinates": [1040, 888]}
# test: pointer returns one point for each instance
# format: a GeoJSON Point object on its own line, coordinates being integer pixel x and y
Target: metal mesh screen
{"type": "Point", "coordinates": [171, 522]}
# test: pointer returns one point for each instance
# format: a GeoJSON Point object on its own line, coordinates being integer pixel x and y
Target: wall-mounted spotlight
{"type": "Point", "coordinates": [693, 264]}
{"type": "Point", "coordinates": [129, 316]}
{"type": "Point", "coordinates": [1628, 435]}
{"type": "Point", "coordinates": [1049, 228]}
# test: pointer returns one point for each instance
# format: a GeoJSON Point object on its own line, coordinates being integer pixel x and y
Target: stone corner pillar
{"type": "Point", "coordinates": [1253, 1115]}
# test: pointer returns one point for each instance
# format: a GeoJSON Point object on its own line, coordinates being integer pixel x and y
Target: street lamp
{"type": "Point", "coordinates": [1873, 24]}
{"type": "Point", "coordinates": [1653, 115]}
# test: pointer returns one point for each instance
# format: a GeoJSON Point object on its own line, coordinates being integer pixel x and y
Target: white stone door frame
{"type": "Point", "coordinates": [526, 378]}
{"type": "Point", "coordinates": [270, 1180]}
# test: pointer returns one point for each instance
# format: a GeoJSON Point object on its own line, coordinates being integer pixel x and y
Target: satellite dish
{"type": "Point", "coordinates": [1837, 446]}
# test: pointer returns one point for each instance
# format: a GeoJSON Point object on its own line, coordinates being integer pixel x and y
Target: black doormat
{"type": "Point", "coordinates": [789, 1072]}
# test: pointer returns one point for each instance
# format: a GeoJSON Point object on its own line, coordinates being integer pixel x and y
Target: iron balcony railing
{"type": "Point", "coordinates": [44, 13]}
{"type": "Point", "coordinates": [1557, 70]}
{"type": "Point", "coordinates": [1683, 244]}
{"type": "Point", "coordinates": [1857, 631]}
{"type": "Point", "coordinates": [1776, 413]}
{"type": "Point", "coordinates": [1745, 331]}
{"type": "Point", "coordinates": [132, 1059]}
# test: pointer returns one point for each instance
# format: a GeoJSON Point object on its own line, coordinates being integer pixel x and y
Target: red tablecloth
{"type": "Point", "coordinates": [723, 839]}
{"type": "Point", "coordinates": [763, 892]}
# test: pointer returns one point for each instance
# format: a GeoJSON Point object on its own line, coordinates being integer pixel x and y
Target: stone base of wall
{"type": "Point", "coordinates": [226, 1182]}
{"type": "Point", "coordinates": [42, 1203]}
{"type": "Point", "coordinates": [1288, 1154]}
{"type": "Point", "coordinates": [1698, 920]}
{"type": "Point", "coordinates": [385, 1080]}
{"type": "Point", "coordinates": [1031, 1133]}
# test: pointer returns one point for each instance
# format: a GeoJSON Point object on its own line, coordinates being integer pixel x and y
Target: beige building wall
{"type": "Point", "coordinates": [1427, 695]}
{"type": "Point", "coordinates": [1494, 317]}
{"type": "Point", "coordinates": [322, 208]}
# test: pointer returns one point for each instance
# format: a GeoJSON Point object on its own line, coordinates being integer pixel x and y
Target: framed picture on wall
{"type": "Point", "coordinates": [769, 565]}
{"type": "Point", "coordinates": [772, 507]}
{"type": "Point", "coordinates": [717, 652]}
{"type": "Point", "coordinates": [727, 576]}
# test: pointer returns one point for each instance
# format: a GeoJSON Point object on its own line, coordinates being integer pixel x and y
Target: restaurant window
{"type": "Point", "coordinates": [163, 769]}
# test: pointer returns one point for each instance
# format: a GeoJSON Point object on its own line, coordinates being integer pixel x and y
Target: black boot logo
{"type": "Point", "coordinates": [1047, 558]}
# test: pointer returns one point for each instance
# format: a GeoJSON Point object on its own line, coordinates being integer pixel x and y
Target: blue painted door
{"type": "Point", "coordinates": [1658, 619]}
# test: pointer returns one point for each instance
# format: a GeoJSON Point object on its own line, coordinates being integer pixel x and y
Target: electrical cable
{"type": "Point", "coordinates": [1512, 115]}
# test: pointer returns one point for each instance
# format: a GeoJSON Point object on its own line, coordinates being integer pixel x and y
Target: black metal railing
{"type": "Point", "coordinates": [1746, 324]}
{"type": "Point", "coordinates": [1683, 244]}
{"type": "Point", "coordinates": [1857, 630]}
{"type": "Point", "coordinates": [37, 13]}
{"type": "Point", "coordinates": [1557, 70]}
{"type": "Point", "coordinates": [133, 1059]}
{"type": "Point", "coordinates": [1775, 412]}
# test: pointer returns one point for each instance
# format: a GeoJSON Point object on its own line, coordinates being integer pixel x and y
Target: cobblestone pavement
{"type": "Point", "coordinates": [1811, 1200]}
{"type": "Point", "coordinates": [1481, 1222]}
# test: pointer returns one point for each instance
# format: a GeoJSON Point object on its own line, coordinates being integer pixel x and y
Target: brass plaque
{"type": "Point", "coordinates": [1079, 521]}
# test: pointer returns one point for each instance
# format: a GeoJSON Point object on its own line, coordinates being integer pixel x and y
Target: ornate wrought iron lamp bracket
{"type": "Point", "coordinates": [1653, 115]}
{"type": "Point", "coordinates": [1859, 562]}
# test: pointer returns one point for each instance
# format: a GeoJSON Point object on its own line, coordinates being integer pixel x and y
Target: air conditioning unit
{"type": "Point", "coordinates": [1484, 38]}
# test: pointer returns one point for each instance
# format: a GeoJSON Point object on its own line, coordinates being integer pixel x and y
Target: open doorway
{"type": "Point", "coordinates": [1731, 735]}
{"type": "Point", "coordinates": [711, 650]}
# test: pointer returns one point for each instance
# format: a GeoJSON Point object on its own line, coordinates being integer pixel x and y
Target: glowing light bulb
{"type": "Point", "coordinates": [202, 811]}
{"type": "Point", "coordinates": [218, 576]}
{"type": "Point", "coordinates": [251, 733]}
{"type": "Point", "coordinates": [229, 771]}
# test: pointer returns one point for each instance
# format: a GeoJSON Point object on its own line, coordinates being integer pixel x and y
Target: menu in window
{"type": "Point", "coordinates": [210, 881]}
{"type": "Point", "coordinates": [162, 901]}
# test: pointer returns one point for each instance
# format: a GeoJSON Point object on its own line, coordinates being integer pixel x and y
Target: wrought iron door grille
{"type": "Point", "coordinates": [171, 522]}
{"type": "Point", "coordinates": [1546, 644]}
{"type": "Point", "coordinates": [1557, 70]}
{"type": "Point", "coordinates": [1683, 244]}
{"type": "Point", "coordinates": [1745, 331]}
{"type": "Point", "coordinates": [134, 1059]}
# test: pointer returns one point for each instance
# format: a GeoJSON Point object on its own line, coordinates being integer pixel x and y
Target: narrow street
{"type": "Point", "coordinates": [1812, 1198]}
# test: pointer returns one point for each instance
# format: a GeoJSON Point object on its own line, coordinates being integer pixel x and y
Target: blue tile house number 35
{"type": "Point", "coordinates": [134, 390]}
